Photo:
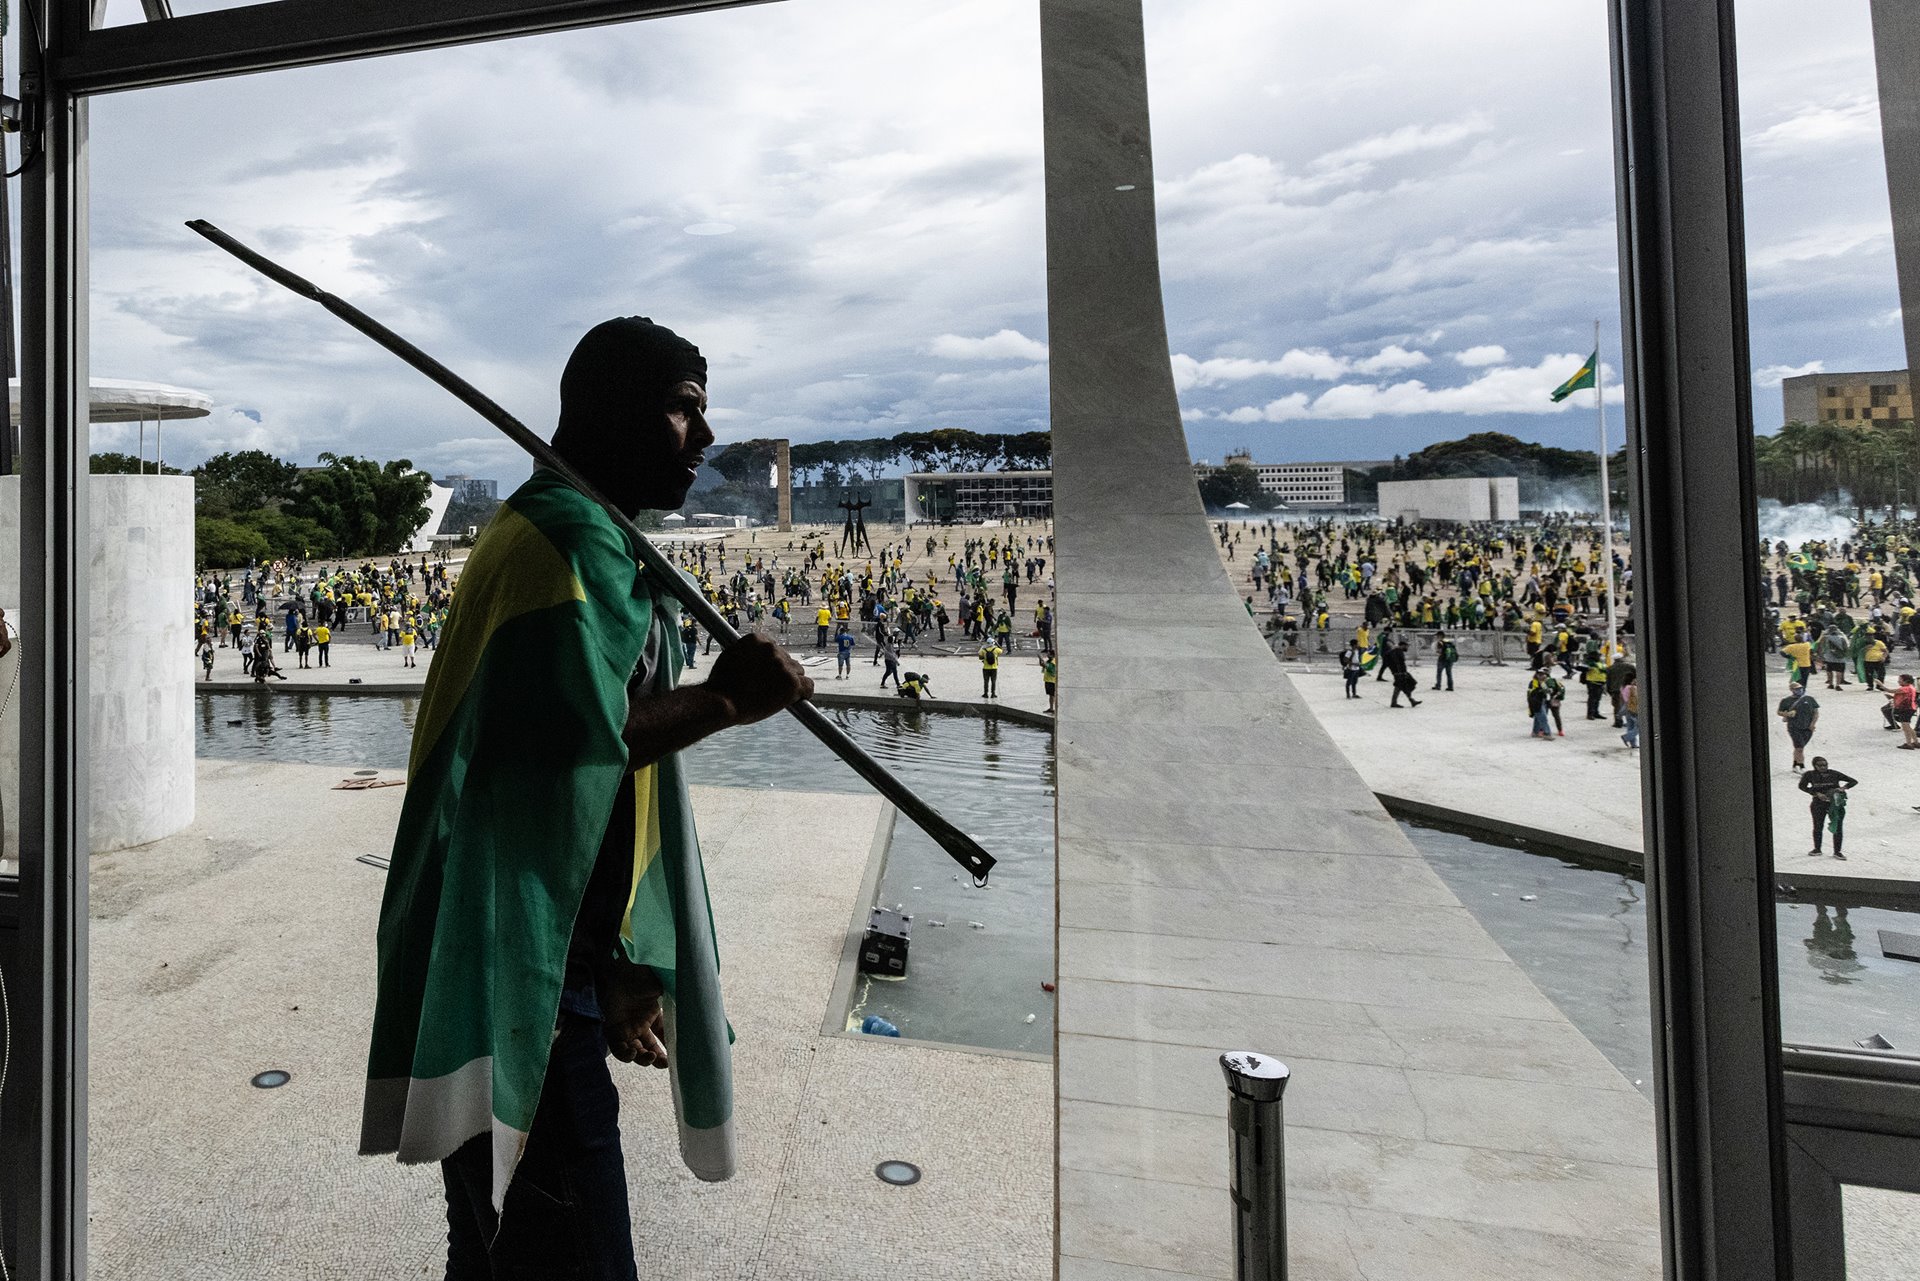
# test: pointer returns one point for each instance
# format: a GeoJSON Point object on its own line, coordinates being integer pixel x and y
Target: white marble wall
{"type": "Point", "coordinates": [141, 694]}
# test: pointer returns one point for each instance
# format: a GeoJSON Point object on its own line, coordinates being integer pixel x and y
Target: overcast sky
{"type": "Point", "coordinates": [1383, 222]}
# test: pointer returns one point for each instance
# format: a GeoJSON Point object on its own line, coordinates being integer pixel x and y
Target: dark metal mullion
{"type": "Point", "coordinates": [1713, 979]}
{"type": "Point", "coordinates": [52, 1029]}
{"type": "Point", "coordinates": [296, 33]}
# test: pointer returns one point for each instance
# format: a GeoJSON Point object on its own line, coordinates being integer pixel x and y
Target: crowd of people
{"type": "Point", "coordinates": [1839, 612]}
{"type": "Point", "coordinates": [1541, 585]}
{"type": "Point", "coordinates": [891, 604]}
{"type": "Point", "coordinates": [402, 604]}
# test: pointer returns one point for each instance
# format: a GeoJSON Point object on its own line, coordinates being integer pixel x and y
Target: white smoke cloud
{"type": "Point", "coordinates": [1802, 522]}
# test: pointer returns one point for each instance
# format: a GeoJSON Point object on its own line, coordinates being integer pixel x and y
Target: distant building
{"type": "Point", "coordinates": [1295, 484]}
{"type": "Point", "coordinates": [468, 490]}
{"type": "Point", "coordinates": [1884, 395]}
{"type": "Point", "coordinates": [1452, 499]}
{"type": "Point", "coordinates": [975, 496]}
{"type": "Point", "coordinates": [820, 504]}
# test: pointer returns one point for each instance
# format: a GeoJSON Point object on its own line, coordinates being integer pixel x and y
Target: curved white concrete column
{"type": "Point", "coordinates": [141, 713]}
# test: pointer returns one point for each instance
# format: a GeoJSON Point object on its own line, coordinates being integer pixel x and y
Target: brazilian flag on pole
{"type": "Point", "coordinates": [1582, 379]}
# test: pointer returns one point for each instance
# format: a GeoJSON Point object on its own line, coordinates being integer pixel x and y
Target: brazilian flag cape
{"type": "Point", "coordinates": [516, 766]}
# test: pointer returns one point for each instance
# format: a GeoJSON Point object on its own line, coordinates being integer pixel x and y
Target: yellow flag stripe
{"type": "Point", "coordinates": [514, 570]}
{"type": "Point", "coordinates": [646, 837]}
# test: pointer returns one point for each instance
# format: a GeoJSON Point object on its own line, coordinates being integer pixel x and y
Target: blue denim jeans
{"type": "Point", "coordinates": [566, 1210]}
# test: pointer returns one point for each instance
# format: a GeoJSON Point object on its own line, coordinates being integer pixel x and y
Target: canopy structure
{"type": "Point", "coordinates": [117, 400]}
{"type": "Point", "coordinates": [673, 516]}
{"type": "Point", "coordinates": [1238, 507]}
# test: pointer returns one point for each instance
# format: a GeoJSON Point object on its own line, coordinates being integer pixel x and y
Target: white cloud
{"type": "Point", "coordinates": [1329, 184]}
{"type": "Point", "coordinates": [1391, 359]}
{"type": "Point", "coordinates": [1310, 362]}
{"type": "Point", "coordinates": [1498, 391]}
{"type": "Point", "coordinates": [1774, 375]}
{"type": "Point", "coordinates": [1490, 354]}
{"type": "Point", "coordinates": [1007, 344]}
{"type": "Point", "coordinates": [1854, 117]}
{"type": "Point", "coordinates": [1404, 141]}
{"type": "Point", "coordinates": [1821, 243]}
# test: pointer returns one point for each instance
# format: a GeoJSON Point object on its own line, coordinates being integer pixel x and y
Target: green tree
{"type": "Point", "coordinates": [230, 482]}
{"type": "Point", "coordinates": [1028, 450]}
{"type": "Point", "coordinates": [219, 543]}
{"type": "Point", "coordinates": [875, 456]}
{"type": "Point", "coordinates": [372, 508]}
{"type": "Point", "coordinates": [108, 463]}
{"type": "Point", "coordinates": [294, 537]}
{"type": "Point", "coordinates": [1234, 483]}
{"type": "Point", "coordinates": [809, 459]}
{"type": "Point", "coordinates": [942, 449]}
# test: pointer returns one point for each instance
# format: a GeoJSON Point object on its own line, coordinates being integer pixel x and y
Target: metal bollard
{"type": "Point", "coordinates": [1256, 1124]}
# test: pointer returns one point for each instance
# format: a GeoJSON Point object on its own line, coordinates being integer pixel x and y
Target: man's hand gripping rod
{"type": "Point", "coordinates": [964, 849]}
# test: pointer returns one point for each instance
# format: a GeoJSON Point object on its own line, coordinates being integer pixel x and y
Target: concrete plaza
{"type": "Point", "coordinates": [246, 943]}
{"type": "Point", "coordinates": [1470, 752]}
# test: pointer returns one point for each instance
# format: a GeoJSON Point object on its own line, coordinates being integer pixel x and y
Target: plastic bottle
{"type": "Point", "coordinates": [874, 1025]}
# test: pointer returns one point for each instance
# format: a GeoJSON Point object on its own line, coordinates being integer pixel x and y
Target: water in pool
{"type": "Point", "coordinates": [993, 778]}
{"type": "Point", "coordinates": [1582, 939]}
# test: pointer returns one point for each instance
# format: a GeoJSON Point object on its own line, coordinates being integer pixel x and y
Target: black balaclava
{"type": "Point", "coordinates": [618, 372]}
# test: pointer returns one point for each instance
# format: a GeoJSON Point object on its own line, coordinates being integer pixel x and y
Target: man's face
{"type": "Point", "coordinates": [667, 451]}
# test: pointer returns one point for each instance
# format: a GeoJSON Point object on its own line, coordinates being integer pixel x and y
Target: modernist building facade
{"type": "Point", "coordinates": [1295, 484]}
{"type": "Point", "coordinates": [1881, 395]}
{"type": "Point", "coordinates": [1452, 498]}
{"type": "Point", "coordinates": [974, 496]}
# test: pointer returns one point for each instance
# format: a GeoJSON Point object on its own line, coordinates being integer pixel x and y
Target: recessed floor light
{"type": "Point", "coordinates": [272, 1079]}
{"type": "Point", "coordinates": [898, 1173]}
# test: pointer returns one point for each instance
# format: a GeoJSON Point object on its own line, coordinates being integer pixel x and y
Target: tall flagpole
{"type": "Point", "coordinates": [1606, 498]}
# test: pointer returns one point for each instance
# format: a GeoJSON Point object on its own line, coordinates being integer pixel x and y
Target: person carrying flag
{"type": "Point", "coordinates": [546, 904]}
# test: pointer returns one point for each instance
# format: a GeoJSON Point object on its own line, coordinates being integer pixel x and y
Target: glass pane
{"type": "Point", "coordinates": [1367, 338]}
{"type": "Point", "coordinates": [332, 485]}
{"type": "Point", "coordinates": [1837, 480]}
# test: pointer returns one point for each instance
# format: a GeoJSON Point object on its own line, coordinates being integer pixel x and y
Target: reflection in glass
{"type": "Point", "coordinates": [1830, 946]}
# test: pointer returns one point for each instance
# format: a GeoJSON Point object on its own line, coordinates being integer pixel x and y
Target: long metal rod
{"type": "Point", "coordinates": [964, 849]}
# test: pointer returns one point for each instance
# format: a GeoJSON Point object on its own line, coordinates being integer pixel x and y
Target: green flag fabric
{"type": "Point", "coordinates": [1582, 379]}
{"type": "Point", "coordinates": [516, 767]}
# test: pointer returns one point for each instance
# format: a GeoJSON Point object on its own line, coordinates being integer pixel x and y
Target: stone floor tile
{"type": "Point", "coordinates": [1228, 913]}
{"type": "Point", "coordinates": [1469, 988]}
